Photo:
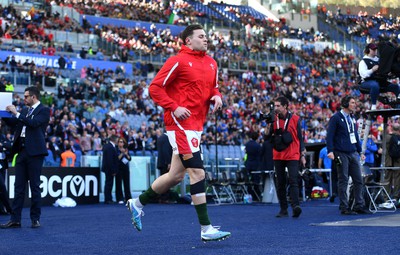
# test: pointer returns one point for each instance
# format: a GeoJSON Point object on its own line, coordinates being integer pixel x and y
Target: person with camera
{"type": "Point", "coordinates": [368, 68]}
{"type": "Point", "coordinates": [344, 148]}
{"type": "Point", "coordinates": [288, 151]}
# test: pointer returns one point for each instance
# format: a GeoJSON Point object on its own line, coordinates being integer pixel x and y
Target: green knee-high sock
{"type": "Point", "coordinates": [202, 214]}
{"type": "Point", "coordinates": [148, 196]}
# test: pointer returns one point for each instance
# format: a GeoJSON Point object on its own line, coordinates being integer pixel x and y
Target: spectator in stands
{"type": "Point", "coordinates": [68, 158]}
{"type": "Point", "coordinates": [115, 57]}
{"type": "Point", "coordinates": [69, 63]}
{"type": "Point", "coordinates": [51, 51]}
{"type": "Point", "coordinates": [67, 47]}
{"type": "Point", "coordinates": [79, 92]}
{"type": "Point", "coordinates": [371, 151]}
{"type": "Point", "coordinates": [288, 151]}
{"type": "Point", "coordinates": [106, 122]}
{"type": "Point", "coordinates": [83, 72]}
{"type": "Point", "coordinates": [97, 143]}
{"type": "Point", "coordinates": [44, 50]}
{"type": "Point", "coordinates": [61, 90]}
{"type": "Point", "coordinates": [9, 86]}
{"type": "Point", "coordinates": [190, 117]}
{"type": "Point", "coordinates": [13, 64]}
{"type": "Point", "coordinates": [99, 54]}
{"type": "Point", "coordinates": [62, 62]}
{"type": "Point", "coordinates": [55, 148]}
{"type": "Point", "coordinates": [370, 79]}
{"type": "Point", "coordinates": [92, 90]}
{"type": "Point", "coordinates": [82, 53]}
{"type": "Point", "coordinates": [123, 175]}
{"type": "Point", "coordinates": [124, 56]}
{"type": "Point", "coordinates": [86, 142]}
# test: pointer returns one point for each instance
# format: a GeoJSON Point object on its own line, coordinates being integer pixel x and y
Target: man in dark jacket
{"type": "Point", "coordinates": [110, 167]}
{"type": "Point", "coordinates": [62, 62]}
{"type": "Point", "coordinates": [344, 148]}
{"type": "Point", "coordinates": [253, 153]}
{"type": "Point", "coordinates": [30, 145]}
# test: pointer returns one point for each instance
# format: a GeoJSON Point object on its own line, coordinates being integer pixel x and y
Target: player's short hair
{"type": "Point", "coordinates": [188, 32]}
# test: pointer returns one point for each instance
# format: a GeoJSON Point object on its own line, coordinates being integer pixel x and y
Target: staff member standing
{"type": "Point", "coordinates": [29, 142]}
{"type": "Point", "coordinates": [288, 157]}
{"type": "Point", "coordinates": [344, 147]}
{"type": "Point", "coordinates": [110, 166]}
{"type": "Point", "coordinates": [253, 152]}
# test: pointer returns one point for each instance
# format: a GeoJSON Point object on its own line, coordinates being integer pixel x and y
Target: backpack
{"type": "Point", "coordinates": [394, 147]}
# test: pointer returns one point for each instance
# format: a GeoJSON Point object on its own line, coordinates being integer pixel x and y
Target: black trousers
{"type": "Point", "coordinates": [281, 177]}
{"type": "Point", "coordinates": [4, 193]}
{"type": "Point", "coordinates": [27, 168]}
{"type": "Point", "coordinates": [350, 167]}
{"type": "Point", "coordinates": [123, 178]}
{"type": "Point", "coordinates": [108, 187]}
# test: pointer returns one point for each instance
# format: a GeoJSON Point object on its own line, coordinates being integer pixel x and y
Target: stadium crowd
{"type": "Point", "coordinates": [364, 25]}
{"type": "Point", "coordinates": [103, 102]}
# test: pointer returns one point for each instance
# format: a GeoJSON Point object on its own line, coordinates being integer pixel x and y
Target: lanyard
{"type": "Point", "coordinates": [347, 124]}
{"type": "Point", "coordinates": [286, 121]}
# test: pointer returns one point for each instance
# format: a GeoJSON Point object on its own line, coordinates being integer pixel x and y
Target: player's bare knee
{"type": "Point", "coordinates": [179, 178]}
{"type": "Point", "coordinates": [176, 177]}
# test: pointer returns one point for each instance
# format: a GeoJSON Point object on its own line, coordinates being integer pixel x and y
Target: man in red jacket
{"type": "Point", "coordinates": [287, 153]}
{"type": "Point", "coordinates": [185, 87]}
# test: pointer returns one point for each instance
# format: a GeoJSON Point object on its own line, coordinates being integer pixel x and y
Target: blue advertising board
{"type": "Point", "coordinates": [79, 183]}
{"type": "Point", "coordinates": [52, 61]}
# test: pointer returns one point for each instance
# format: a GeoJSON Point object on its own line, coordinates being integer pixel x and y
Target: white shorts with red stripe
{"type": "Point", "coordinates": [184, 141]}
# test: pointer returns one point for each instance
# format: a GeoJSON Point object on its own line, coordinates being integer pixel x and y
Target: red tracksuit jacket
{"type": "Point", "coordinates": [293, 151]}
{"type": "Point", "coordinates": [188, 79]}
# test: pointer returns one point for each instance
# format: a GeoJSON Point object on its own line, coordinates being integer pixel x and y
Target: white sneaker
{"type": "Point", "coordinates": [214, 234]}
{"type": "Point", "coordinates": [136, 212]}
{"type": "Point", "coordinates": [386, 205]}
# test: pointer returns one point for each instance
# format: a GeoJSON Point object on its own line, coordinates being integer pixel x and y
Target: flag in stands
{"type": "Point", "coordinates": [173, 18]}
{"type": "Point", "coordinates": [32, 11]}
